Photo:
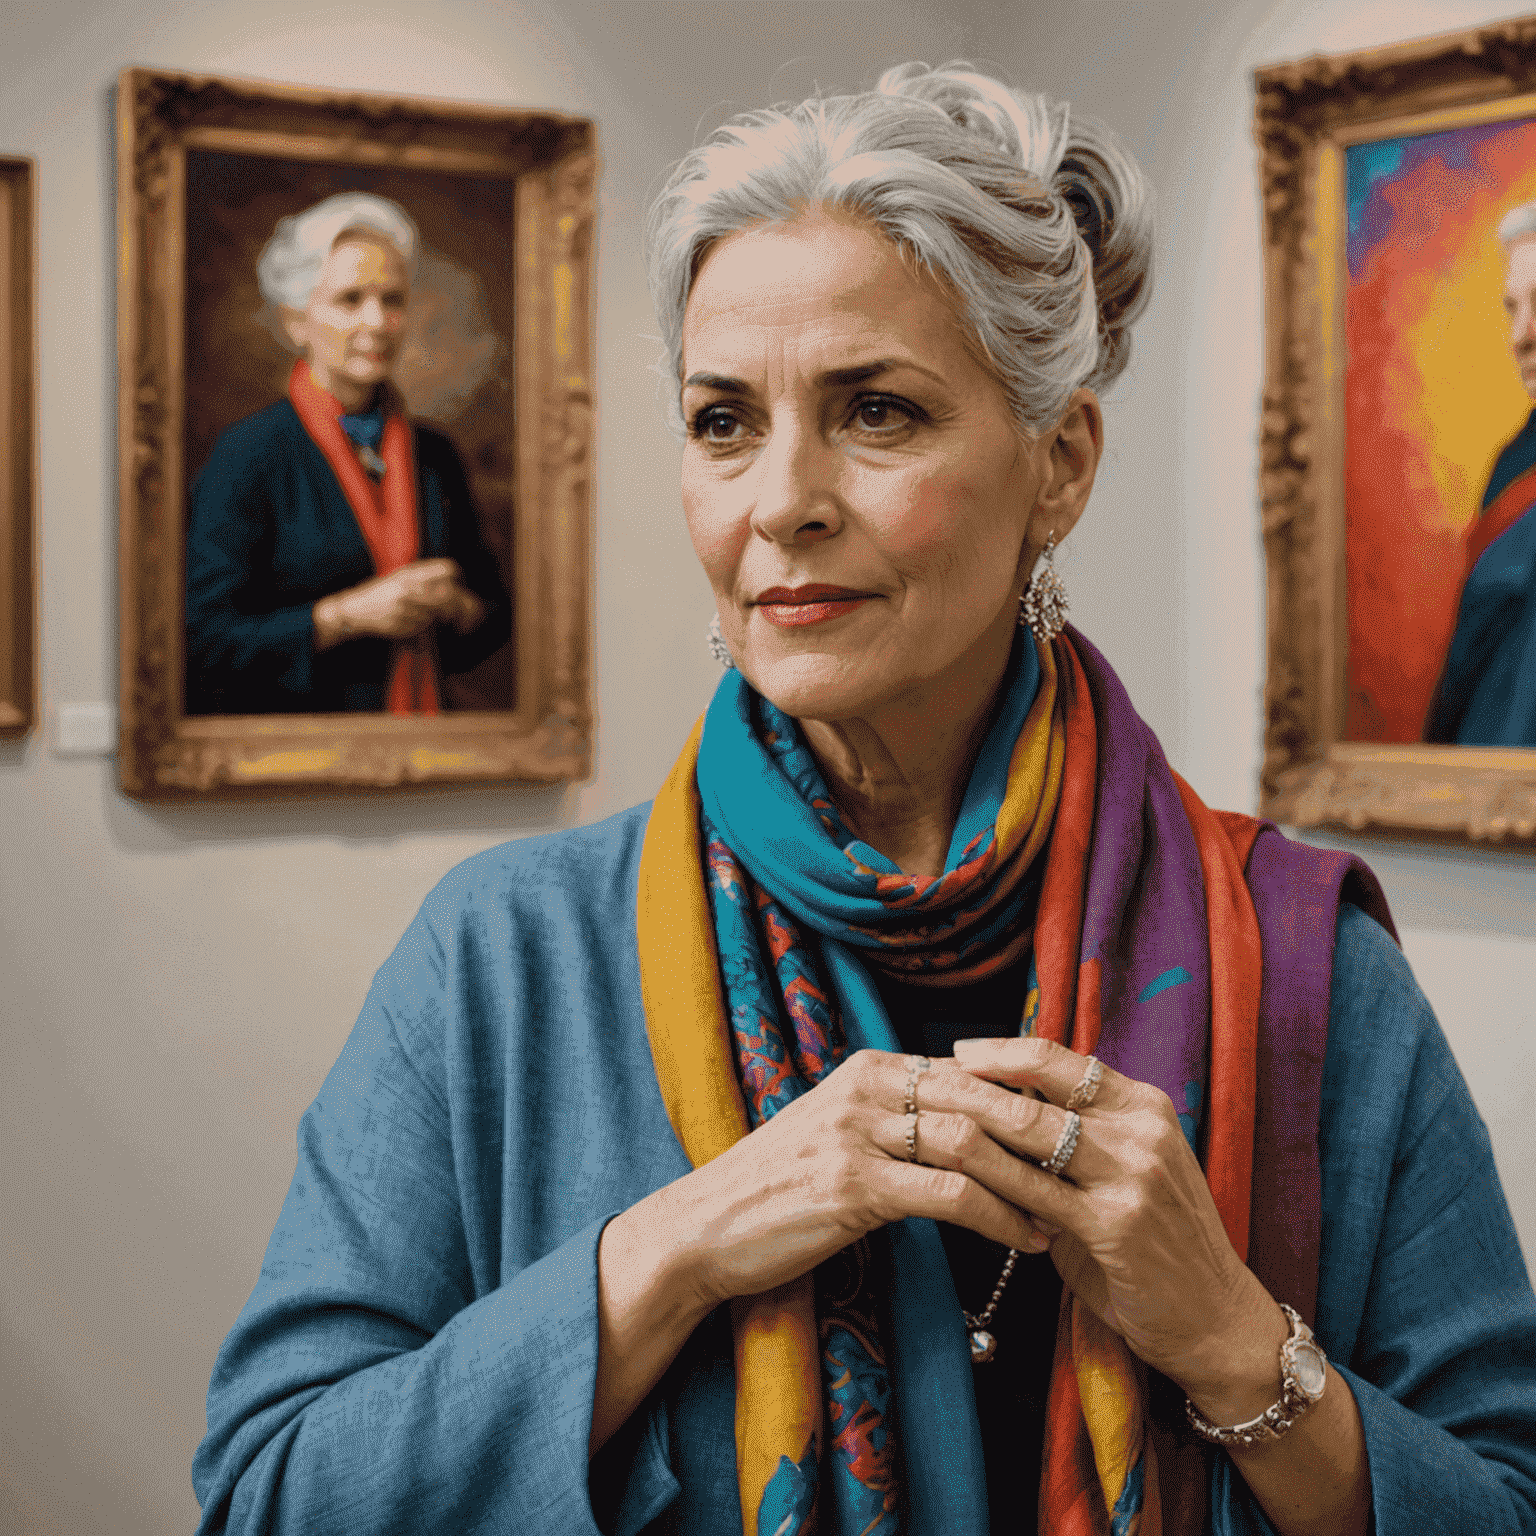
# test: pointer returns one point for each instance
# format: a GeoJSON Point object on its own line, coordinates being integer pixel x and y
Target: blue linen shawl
{"type": "Point", "coordinates": [420, 1349]}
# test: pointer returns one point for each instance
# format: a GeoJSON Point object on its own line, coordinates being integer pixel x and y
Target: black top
{"type": "Point", "coordinates": [1011, 1388]}
{"type": "Point", "coordinates": [270, 531]}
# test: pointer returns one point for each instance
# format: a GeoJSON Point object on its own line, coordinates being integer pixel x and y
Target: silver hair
{"type": "Point", "coordinates": [291, 261]}
{"type": "Point", "coordinates": [1037, 221]}
{"type": "Point", "coordinates": [1518, 223]}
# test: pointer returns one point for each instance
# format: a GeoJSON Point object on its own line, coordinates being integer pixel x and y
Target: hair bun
{"type": "Point", "coordinates": [1076, 158]}
{"type": "Point", "coordinates": [1112, 204]}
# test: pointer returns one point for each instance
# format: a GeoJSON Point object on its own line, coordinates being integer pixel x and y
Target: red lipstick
{"type": "Point", "coordinates": [814, 603]}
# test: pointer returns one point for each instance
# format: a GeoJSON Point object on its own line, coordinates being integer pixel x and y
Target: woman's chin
{"type": "Point", "coordinates": [818, 685]}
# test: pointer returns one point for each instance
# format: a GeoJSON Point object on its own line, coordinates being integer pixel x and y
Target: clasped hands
{"type": "Point", "coordinates": [400, 605]}
{"type": "Point", "coordinates": [1131, 1225]}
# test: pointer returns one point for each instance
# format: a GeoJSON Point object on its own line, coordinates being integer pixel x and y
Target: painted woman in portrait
{"type": "Point", "coordinates": [1486, 695]}
{"type": "Point", "coordinates": [334, 555]}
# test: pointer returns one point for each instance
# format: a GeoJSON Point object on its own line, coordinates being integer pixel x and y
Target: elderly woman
{"type": "Point", "coordinates": [926, 1115]}
{"type": "Point", "coordinates": [334, 556]}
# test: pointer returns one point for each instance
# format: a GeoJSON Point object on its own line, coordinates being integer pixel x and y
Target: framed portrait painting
{"type": "Point", "coordinates": [18, 666]}
{"type": "Point", "coordinates": [1398, 455]}
{"type": "Point", "coordinates": [355, 439]}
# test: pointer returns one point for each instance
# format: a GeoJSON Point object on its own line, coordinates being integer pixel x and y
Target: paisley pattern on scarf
{"type": "Point", "coordinates": [788, 1037]}
{"type": "Point", "coordinates": [947, 929]}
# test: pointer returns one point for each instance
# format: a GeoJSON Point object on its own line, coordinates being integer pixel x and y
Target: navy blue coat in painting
{"type": "Point", "coordinates": [269, 532]}
{"type": "Point", "coordinates": [1486, 695]}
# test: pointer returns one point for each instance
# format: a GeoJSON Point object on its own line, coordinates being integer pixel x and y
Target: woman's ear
{"type": "Point", "coordinates": [1075, 444]}
{"type": "Point", "coordinates": [295, 328]}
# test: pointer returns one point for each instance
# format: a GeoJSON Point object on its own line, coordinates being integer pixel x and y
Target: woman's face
{"type": "Point", "coordinates": [853, 481]}
{"type": "Point", "coordinates": [350, 329]}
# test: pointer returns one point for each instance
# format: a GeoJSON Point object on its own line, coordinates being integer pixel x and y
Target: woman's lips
{"type": "Point", "coordinates": [791, 607]}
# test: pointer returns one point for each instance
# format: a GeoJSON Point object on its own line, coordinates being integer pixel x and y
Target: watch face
{"type": "Point", "coordinates": [1310, 1368]}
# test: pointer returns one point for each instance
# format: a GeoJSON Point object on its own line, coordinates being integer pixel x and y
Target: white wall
{"type": "Point", "coordinates": [178, 979]}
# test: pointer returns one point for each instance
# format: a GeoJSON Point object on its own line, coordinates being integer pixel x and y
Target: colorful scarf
{"type": "Point", "coordinates": [386, 515]}
{"type": "Point", "coordinates": [758, 919]}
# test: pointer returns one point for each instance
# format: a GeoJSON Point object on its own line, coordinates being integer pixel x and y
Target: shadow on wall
{"type": "Point", "coordinates": [90, 1488]}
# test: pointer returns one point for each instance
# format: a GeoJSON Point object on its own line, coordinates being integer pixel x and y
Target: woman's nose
{"type": "Point", "coordinates": [796, 500]}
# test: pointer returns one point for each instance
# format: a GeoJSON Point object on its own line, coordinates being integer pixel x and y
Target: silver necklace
{"type": "Point", "coordinates": [983, 1344]}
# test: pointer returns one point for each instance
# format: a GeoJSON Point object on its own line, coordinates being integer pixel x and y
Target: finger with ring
{"type": "Point", "coordinates": [1066, 1144]}
{"type": "Point", "coordinates": [916, 1066]}
{"type": "Point", "coordinates": [1087, 1089]}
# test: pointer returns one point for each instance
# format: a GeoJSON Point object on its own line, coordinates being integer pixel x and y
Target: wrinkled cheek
{"type": "Point", "coordinates": [717, 539]}
{"type": "Point", "coordinates": [939, 529]}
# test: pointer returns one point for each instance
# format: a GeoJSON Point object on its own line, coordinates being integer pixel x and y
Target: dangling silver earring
{"type": "Point", "coordinates": [1043, 607]}
{"type": "Point", "coordinates": [717, 644]}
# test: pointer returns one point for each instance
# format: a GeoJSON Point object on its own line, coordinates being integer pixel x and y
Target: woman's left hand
{"type": "Point", "coordinates": [1141, 1242]}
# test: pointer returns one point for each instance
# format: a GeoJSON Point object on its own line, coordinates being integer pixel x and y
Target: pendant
{"type": "Point", "coordinates": [983, 1346]}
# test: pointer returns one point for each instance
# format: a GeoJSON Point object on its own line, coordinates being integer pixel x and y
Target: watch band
{"type": "Point", "coordinates": [1303, 1378]}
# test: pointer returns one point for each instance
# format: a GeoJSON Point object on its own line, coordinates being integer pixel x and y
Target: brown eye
{"type": "Point", "coordinates": [880, 415]}
{"type": "Point", "coordinates": [716, 426]}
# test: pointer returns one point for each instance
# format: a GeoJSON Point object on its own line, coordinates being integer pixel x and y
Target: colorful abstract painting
{"type": "Point", "coordinates": [1431, 396]}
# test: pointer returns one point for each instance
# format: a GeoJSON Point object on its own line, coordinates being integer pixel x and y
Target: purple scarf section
{"type": "Point", "coordinates": [1144, 918]}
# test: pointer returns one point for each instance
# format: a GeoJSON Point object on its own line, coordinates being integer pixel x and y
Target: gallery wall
{"type": "Point", "coordinates": [178, 979]}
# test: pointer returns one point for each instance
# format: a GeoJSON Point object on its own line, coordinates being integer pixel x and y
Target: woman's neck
{"type": "Point", "coordinates": [899, 774]}
{"type": "Point", "coordinates": [354, 399]}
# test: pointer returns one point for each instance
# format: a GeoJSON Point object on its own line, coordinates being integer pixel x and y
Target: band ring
{"type": "Point", "coordinates": [1066, 1144]}
{"type": "Point", "coordinates": [1087, 1089]}
{"type": "Point", "coordinates": [916, 1066]}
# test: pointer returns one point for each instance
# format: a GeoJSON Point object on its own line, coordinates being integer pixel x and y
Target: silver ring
{"type": "Point", "coordinates": [1066, 1144]}
{"type": "Point", "coordinates": [1087, 1089]}
{"type": "Point", "coordinates": [916, 1066]}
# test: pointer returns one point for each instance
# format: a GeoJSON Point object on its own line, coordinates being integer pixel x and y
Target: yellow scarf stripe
{"type": "Point", "coordinates": [1034, 771]}
{"type": "Point", "coordinates": [685, 1018]}
{"type": "Point", "coordinates": [778, 1387]}
{"type": "Point", "coordinates": [1111, 1397]}
{"type": "Point", "coordinates": [778, 1361]}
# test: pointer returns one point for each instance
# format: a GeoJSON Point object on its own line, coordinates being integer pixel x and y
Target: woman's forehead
{"type": "Point", "coordinates": [821, 293]}
{"type": "Point", "coordinates": [358, 256]}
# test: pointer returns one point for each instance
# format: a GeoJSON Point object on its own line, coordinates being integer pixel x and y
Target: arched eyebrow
{"type": "Point", "coordinates": [834, 378]}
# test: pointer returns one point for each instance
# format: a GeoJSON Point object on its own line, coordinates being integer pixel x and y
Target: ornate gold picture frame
{"type": "Point", "coordinates": [504, 203]}
{"type": "Point", "coordinates": [18, 361]}
{"type": "Point", "coordinates": [1391, 407]}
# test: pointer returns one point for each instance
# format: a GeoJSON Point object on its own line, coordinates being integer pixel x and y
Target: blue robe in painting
{"type": "Point", "coordinates": [270, 531]}
{"type": "Point", "coordinates": [1486, 696]}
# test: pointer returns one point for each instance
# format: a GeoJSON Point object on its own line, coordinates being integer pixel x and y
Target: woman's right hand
{"type": "Point", "coordinates": [820, 1174]}
{"type": "Point", "coordinates": [398, 606]}
{"type": "Point", "coordinates": [833, 1165]}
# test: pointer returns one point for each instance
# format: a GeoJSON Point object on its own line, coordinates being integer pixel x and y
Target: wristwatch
{"type": "Point", "coordinates": [1303, 1376]}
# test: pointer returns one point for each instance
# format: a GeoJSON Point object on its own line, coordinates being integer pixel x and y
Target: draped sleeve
{"type": "Point", "coordinates": [1424, 1301]}
{"type": "Point", "coordinates": [419, 1352]}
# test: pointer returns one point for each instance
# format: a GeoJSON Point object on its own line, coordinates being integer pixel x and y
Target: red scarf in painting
{"type": "Point", "coordinates": [386, 514]}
